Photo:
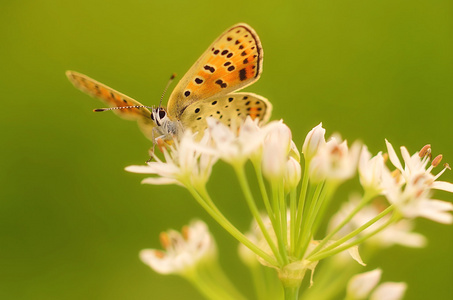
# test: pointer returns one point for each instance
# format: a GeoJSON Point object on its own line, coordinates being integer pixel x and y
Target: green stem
{"type": "Point", "coordinates": [262, 186]}
{"type": "Point", "coordinates": [326, 197]}
{"type": "Point", "coordinates": [307, 232]}
{"type": "Point", "coordinates": [206, 288]}
{"type": "Point", "coordinates": [240, 173]}
{"type": "Point", "coordinates": [301, 203]}
{"type": "Point", "coordinates": [259, 281]}
{"type": "Point", "coordinates": [292, 293]}
{"type": "Point", "coordinates": [230, 228]}
{"type": "Point", "coordinates": [292, 224]}
{"type": "Point", "coordinates": [284, 216]}
{"type": "Point", "coordinates": [279, 222]}
{"type": "Point", "coordinates": [216, 276]}
{"type": "Point", "coordinates": [267, 204]}
{"type": "Point", "coordinates": [366, 198]}
{"type": "Point", "coordinates": [334, 249]}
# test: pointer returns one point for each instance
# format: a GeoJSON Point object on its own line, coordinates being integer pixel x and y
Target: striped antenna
{"type": "Point", "coordinates": [121, 107]}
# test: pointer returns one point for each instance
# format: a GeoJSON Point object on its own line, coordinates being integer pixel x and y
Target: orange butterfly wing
{"type": "Point", "coordinates": [114, 98]}
{"type": "Point", "coordinates": [231, 62]}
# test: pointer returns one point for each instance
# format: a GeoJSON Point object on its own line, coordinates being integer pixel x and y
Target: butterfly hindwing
{"type": "Point", "coordinates": [231, 62]}
{"type": "Point", "coordinates": [229, 109]}
{"type": "Point", "coordinates": [113, 98]}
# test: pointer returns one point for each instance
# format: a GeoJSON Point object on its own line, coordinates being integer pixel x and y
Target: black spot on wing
{"type": "Point", "coordinates": [221, 83]}
{"type": "Point", "coordinates": [209, 68]}
{"type": "Point", "coordinates": [242, 74]}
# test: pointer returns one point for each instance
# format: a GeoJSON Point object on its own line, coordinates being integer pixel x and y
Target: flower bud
{"type": "Point", "coordinates": [292, 174]}
{"type": "Point", "coordinates": [315, 139]}
{"type": "Point", "coordinates": [276, 147]}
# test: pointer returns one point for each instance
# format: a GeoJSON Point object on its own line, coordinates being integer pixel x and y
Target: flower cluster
{"type": "Point", "coordinates": [287, 235]}
{"type": "Point", "coordinates": [183, 251]}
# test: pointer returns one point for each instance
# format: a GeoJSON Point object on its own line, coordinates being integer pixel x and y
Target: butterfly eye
{"type": "Point", "coordinates": [162, 114]}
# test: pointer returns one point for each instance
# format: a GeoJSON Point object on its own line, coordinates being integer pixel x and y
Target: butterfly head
{"type": "Point", "coordinates": [159, 116]}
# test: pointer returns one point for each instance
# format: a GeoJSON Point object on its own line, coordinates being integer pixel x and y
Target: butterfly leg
{"type": "Point", "coordinates": [162, 142]}
{"type": "Point", "coordinates": [151, 150]}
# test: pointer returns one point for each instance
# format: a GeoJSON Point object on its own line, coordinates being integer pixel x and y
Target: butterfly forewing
{"type": "Point", "coordinates": [232, 62]}
{"type": "Point", "coordinates": [113, 98]}
{"type": "Point", "coordinates": [229, 109]}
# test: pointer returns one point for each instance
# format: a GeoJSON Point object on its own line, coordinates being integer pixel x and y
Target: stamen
{"type": "Point", "coordinates": [426, 150]}
{"type": "Point", "coordinates": [336, 151]}
{"type": "Point", "coordinates": [159, 254]}
{"type": "Point", "coordinates": [437, 160]}
{"type": "Point", "coordinates": [164, 240]}
{"type": "Point", "coordinates": [185, 232]}
{"type": "Point", "coordinates": [419, 193]}
{"type": "Point", "coordinates": [385, 156]}
{"type": "Point", "coordinates": [397, 175]}
{"type": "Point", "coordinates": [446, 166]}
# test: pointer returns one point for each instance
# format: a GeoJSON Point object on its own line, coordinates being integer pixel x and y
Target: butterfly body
{"type": "Point", "coordinates": [232, 62]}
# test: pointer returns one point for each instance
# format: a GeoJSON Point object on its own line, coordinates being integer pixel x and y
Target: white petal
{"type": "Point", "coordinates": [160, 265]}
{"type": "Point", "coordinates": [354, 252]}
{"type": "Point", "coordinates": [400, 234]}
{"type": "Point", "coordinates": [389, 291]}
{"type": "Point", "coordinates": [443, 186]}
{"type": "Point", "coordinates": [294, 152]}
{"type": "Point", "coordinates": [154, 168]}
{"type": "Point", "coordinates": [160, 181]}
{"type": "Point", "coordinates": [360, 285]}
{"type": "Point", "coordinates": [437, 210]}
{"type": "Point", "coordinates": [393, 157]}
{"type": "Point", "coordinates": [139, 169]}
{"type": "Point", "coordinates": [365, 157]}
{"type": "Point", "coordinates": [408, 160]}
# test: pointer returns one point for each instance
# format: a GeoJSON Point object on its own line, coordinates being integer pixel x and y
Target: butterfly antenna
{"type": "Point", "coordinates": [166, 87]}
{"type": "Point", "coordinates": [139, 106]}
{"type": "Point", "coordinates": [121, 107]}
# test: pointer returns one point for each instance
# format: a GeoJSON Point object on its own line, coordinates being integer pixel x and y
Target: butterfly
{"type": "Point", "coordinates": [233, 61]}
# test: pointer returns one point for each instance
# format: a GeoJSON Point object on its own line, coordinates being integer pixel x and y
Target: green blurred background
{"type": "Point", "coordinates": [72, 220]}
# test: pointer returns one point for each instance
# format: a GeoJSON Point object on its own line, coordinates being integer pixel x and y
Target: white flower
{"type": "Point", "coordinates": [371, 171]}
{"type": "Point", "coordinates": [415, 167]}
{"type": "Point", "coordinates": [276, 148]}
{"type": "Point", "coordinates": [236, 147]}
{"type": "Point", "coordinates": [334, 161]}
{"type": "Point", "coordinates": [314, 140]}
{"type": "Point", "coordinates": [361, 286]}
{"type": "Point", "coordinates": [399, 233]}
{"type": "Point", "coordinates": [413, 198]}
{"type": "Point", "coordinates": [184, 162]}
{"type": "Point", "coordinates": [183, 252]}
